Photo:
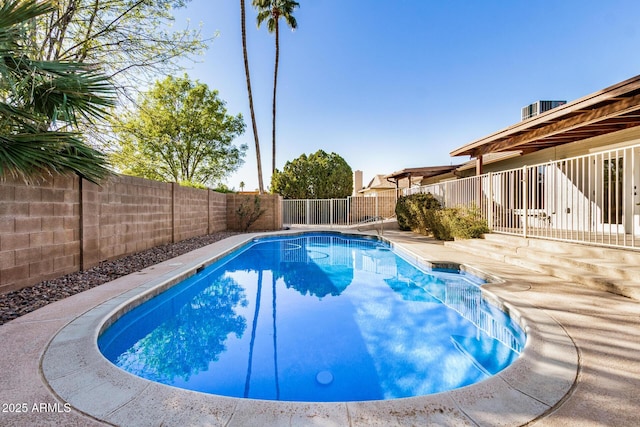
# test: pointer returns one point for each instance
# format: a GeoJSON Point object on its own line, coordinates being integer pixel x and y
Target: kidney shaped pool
{"type": "Point", "coordinates": [318, 317]}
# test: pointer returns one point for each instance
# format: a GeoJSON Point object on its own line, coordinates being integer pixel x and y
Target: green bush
{"type": "Point", "coordinates": [416, 212]}
{"type": "Point", "coordinates": [468, 223]}
{"type": "Point", "coordinates": [422, 213]}
{"type": "Point", "coordinates": [460, 223]}
{"type": "Point", "coordinates": [192, 184]}
{"type": "Point", "coordinates": [402, 214]}
{"type": "Point", "coordinates": [441, 226]}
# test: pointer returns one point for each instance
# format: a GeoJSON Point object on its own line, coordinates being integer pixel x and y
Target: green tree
{"type": "Point", "coordinates": [248, 77]}
{"type": "Point", "coordinates": [180, 133]}
{"type": "Point", "coordinates": [318, 176]}
{"type": "Point", "coordinates": [271, 11]}
{"type": "Point", "coordinates": [128, 39]}
{"type": "Point", "coordinates": [131, 41]}
{"type": "Point", "coordinates": [41, 103]}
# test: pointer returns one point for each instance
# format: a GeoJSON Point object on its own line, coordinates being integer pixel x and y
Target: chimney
{"type": "Point", "coordinates": [357, 182]}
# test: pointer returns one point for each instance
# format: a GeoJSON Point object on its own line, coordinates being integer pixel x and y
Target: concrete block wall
{"type": "Point", "coordinates": [271, 219]}
{"type": "Point", "coordinates": [217, 212]}
{"type": "Point", "coordinates": [64, 224]}
{"type": "Point", "coordinates": [273, 216]}
{"type": "Point", "coordinates": [39, 230]}
{"type": "Point", "coordinates": [124, 215]}
{"type": "Point", "coordinates": [190, 212]}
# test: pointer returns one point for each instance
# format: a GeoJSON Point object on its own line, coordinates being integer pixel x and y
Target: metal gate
{"type": "Point", "coordinates": [345, 212]}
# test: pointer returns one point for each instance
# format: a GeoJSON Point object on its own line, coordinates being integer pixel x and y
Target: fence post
{"type": "Point", "coordinates": [445, 194]}
{"type": "Point", "coordinates": [331, 212]}
{"type": "Point", "coordinates": [490, 202]}
{"type": "Point", "coordinates": [525, 200]}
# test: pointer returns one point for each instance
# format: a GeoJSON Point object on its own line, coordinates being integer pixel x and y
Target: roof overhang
{"type": "Point", "coordinates": [426, 172]}
{"type": "Point", "coordinates": [609, 110]}
{"type": "Point", "coordinates": [490, 158]}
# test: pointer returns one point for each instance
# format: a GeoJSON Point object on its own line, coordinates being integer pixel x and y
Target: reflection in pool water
{"type": "Point", "coordinates": [318, 317]}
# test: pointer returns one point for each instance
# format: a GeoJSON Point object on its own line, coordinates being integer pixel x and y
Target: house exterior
{"type": "Point", "coordinates": [378, 185]}
{"type": "Point", "coordinates": [570, 173]}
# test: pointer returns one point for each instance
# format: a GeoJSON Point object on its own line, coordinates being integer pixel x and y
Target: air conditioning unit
{"type": "Point", "coordinates": [539, 107]}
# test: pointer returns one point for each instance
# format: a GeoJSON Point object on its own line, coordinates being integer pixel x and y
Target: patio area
{"type": "Point", "coordinates": [581, 367]}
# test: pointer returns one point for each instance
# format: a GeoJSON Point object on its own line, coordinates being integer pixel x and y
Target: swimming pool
{"type": "Point", "coordinates": [318, 317]}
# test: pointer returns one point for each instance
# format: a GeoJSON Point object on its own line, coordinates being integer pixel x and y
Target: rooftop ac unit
{"type": "Point", "coordinates": [539, 107]}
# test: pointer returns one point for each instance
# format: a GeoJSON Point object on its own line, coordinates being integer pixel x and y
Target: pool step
{"type": "Point", "coordinates": [612, 270]}
{"type": "Point", "coordinates": [574, 249]}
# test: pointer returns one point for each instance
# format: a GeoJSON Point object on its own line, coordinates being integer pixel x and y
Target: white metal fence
{"type": "Point", "coordinates": [590, 199]}
{"type": "Point", "coordinates": [346, 211]}
{"type": "Point", "coordinates": [593, 199]}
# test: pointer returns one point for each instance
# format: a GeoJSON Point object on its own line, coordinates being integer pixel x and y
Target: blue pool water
{"type": "Point", "coordinates": [316, 317]}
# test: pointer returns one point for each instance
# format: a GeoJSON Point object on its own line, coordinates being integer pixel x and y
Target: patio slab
{"type": "Point", "coordinates": [581, 365]}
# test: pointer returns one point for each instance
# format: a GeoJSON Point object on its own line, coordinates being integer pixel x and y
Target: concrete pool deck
{"type": "Point", "coordinates": [581, 366]}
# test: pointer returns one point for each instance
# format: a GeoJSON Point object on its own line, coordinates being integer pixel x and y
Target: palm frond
{"type": "Point", "coordinates": [30, 155]}
{"type": "Point", "coordinates": [15, 12]}
{"type": "Point", "coordinates": [34, 95]}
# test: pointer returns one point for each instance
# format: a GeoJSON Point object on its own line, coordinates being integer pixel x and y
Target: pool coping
{"type": "Point", "coordinates": [81, 376]}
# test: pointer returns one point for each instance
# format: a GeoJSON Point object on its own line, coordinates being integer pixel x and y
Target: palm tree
{"type": "Point", "coordinates": [253, 114]}
{"type": "Point", "coordinates": [256, 314]}
{"type": "Point", "coordinates": [275, 333]}
{"type": "Point", "coordinates": [41, 103]}
{"type": "Point", "coordinates": [272, 11]}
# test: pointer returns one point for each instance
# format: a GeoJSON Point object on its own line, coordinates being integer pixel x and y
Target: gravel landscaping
{"type": "Point", "coordinates": [17, 303]}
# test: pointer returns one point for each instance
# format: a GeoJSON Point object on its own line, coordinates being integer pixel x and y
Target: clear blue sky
{"type": "Point", "coordinates": [396, 84]}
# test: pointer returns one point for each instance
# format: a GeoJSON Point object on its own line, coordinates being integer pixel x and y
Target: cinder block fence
{"type": "Point", "coordinates": [66, 224]}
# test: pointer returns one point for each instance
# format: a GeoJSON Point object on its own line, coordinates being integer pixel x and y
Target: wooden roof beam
{"type": "Point", "coordinates": [593, 116]}
{"type": "Point", "coordinates": [622, 89]}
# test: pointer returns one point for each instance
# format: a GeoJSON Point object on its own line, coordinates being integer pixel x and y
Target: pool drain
{"type": "Point", "coordinates": [324, 377]}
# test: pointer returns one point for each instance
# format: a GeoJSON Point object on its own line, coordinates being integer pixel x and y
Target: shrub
{"type": "Point", "coordinates": [222, 188]}
{"type": "Point", "coordinates": [461, 223]}
{"type": "Point", "coordinates": [422, 213]}
{"type": "Point", "coordinates": [402, 213]}
{"type": "Point", "coordinates": [468, 223]}
{"type": "Point", "coordinates": [248, 212]}
{"type": "Point", "coordinates": [192, 184]}
{"type": "Point", "coordinates": [416, 212]}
